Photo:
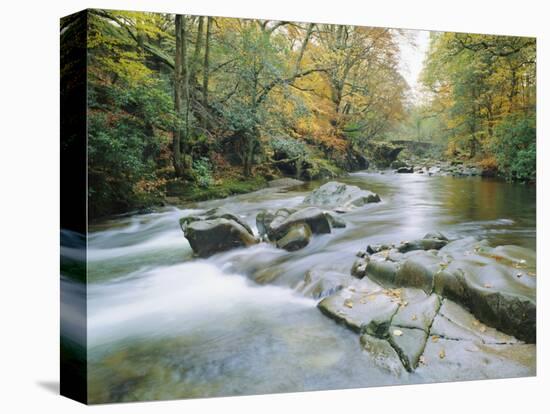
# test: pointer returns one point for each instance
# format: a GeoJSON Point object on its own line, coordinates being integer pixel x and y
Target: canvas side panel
{"type": "Point", "coordinates": [73, 357]}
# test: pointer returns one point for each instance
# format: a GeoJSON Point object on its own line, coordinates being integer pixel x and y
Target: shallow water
{"type": "Point", "coordinates": [162, 324]}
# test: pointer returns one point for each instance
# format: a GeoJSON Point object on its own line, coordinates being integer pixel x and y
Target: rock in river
{"type": "Point", "coordinates": [340, 196]}
{"type": "Point", "coordinates": [291, 229]}
{"type": "Point", "coordinates": [466, 307]}
{"type": "Point", "coordinates": [216, 231]}
{"type": "Point", "coordinates": [496, 286]}
{"type": "Point", "coordinates": [297, 237]}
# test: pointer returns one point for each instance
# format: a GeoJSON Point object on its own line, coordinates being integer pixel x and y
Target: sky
{"type": "Point", "coordinates": [412, 56]}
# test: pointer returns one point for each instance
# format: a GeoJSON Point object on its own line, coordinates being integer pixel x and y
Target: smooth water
{"type": "Point", "coordinates": [162, 324]}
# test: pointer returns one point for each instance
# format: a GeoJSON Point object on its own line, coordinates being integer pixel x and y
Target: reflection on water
{"type": "Point", "coordinates": [164, 325]}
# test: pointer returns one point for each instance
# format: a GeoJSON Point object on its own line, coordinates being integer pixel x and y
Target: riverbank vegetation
{"type": "Point", "coordinates": [201, 107]}
{"type": "Point", "coordinates": [482, 100]}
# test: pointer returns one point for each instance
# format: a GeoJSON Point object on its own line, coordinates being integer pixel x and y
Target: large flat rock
{"type": "Point", "coordinates": [361, 307]}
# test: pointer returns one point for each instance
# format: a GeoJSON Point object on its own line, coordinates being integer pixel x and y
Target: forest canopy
{"type": "Point", "coordinates": [207, 106]}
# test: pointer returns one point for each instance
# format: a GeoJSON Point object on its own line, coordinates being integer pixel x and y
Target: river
{"type": "Point", "coordinates": [163, 324]}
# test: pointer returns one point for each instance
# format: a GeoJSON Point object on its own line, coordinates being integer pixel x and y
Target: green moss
{"type": "Point", "coordinates": [221, 189]}
{"type": "Point", "coordinates": [321, 168]}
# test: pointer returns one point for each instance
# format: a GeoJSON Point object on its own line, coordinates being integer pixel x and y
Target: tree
{"type": "Point", "coordinates": [477, 83]}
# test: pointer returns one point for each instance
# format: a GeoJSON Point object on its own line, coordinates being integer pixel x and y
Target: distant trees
{"type": "Point", "coordinates": [174, 97]}
{"type": "Point", "coordinates": [235, 85]}
{"type": "Point", "coordinates": [482, 89]}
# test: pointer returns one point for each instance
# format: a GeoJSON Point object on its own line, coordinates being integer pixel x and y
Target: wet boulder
{"type": "Point", "coordinates": [208, 237]}
{"type": "Point", "coordinates": [421, 244]}
{"type": "Point", "coordinates": [291, 229]}
{"type": "Point", "coordinates": [455, 322]}
{"type": "Point", "coordinates": [221, 212]}
{"type": "Point", "coordinates": [405, 170]}
{"type": "Point", "coordinates": [437, 235]}
{"type": "Point", "coordinates": [335, 222]}
{"type": "Point", "coordinates": [497, 285]}
{"type": "Point", "coordinates": [263, 221]}
{"type": "Point", "coordinates": [284, 219]}
{"type": "Point", "coordinates": [377, 248]}
{"type": "Point", "coordinates": [212, 214]}
{"type": "Point", "coordinates": [493, 293]}
{"type": "Point", "coordinates": [418, 270]}
{"type": "Point", "coordinates": [359, 267]}
{"type": "Point", "coordinates": [297, 237]}
{"type": "Point", "coordinates": [340, 196]}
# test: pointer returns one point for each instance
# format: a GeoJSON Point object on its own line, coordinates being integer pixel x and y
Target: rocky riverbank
{"type": "Point", "coordinates": [435, 304]}
{"type": "Point", "coordinates": [218, 230]}
{"type": "Point", "coordinates": [430, 166]}
{"type": "Point", "coordinates": [426, 304]}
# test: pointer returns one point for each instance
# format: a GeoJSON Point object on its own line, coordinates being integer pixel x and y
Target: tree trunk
{"type": "Point", "coordinates": [196, 53]}
{"type": "Point", "coordinates": [178, 104]}
{"type": "Point", "coordinates": [181, 153]}
{"type": "Point", "coordinates": [206, 70]}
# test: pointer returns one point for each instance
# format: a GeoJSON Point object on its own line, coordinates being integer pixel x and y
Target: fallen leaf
{"type": "Point", "coordinates": [414, 318]}
{"type": "Point", "coordinates": [435, 338]}
{"type": "Point", "coordinates": [482, 328]}
{"type": "Point", "coordinates": [442, 354]}
{"type": "Point", "coordinates": [348, 303]}
{"type": "Point", "coordinates": [397, 332]}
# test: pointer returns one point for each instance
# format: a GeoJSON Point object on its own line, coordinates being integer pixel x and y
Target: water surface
{"type": "Point", "coordinates": [162, 324]}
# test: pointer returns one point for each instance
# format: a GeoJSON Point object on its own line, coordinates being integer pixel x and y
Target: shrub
{"type": "Point", "coordinates": [203, 171]}
{"type": "Point", "coordinates": [288, 148]}
{"type": "Point", "coordinates": [515, 147]}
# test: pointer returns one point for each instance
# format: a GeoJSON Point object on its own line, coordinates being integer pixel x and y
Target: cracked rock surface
{"type": "Point", "coordinates": [461, 306]}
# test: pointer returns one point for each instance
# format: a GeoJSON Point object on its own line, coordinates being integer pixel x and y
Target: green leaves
{"type": "Point", "coordinates": [515, 147]}
{"type": "Point", "coordinates": [482, 91]}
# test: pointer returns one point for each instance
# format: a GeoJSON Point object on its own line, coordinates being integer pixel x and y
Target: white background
{"type": "Point", "coordinates": [29, 191]}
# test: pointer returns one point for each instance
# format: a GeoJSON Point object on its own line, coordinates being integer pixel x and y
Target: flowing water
{"type": "Point", "coordinates": [162, 324]}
